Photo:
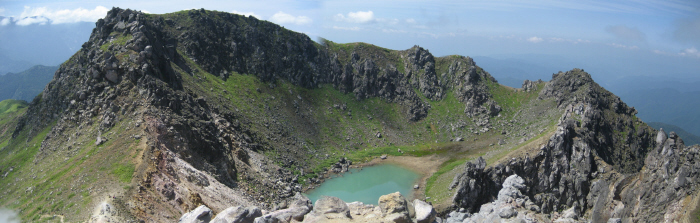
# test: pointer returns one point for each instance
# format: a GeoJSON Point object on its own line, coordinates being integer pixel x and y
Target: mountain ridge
{"type": "Point", "coordinates": [251, 114]}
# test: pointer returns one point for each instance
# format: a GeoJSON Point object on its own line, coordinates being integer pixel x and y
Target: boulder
{"type": "Point", "coordinates": [201, 214]}
{"type": "Point", "coordinates": [328, 208]}
{"type": "Point", "coordinates": [457, 216]}
{"type": "Point", "coordinates": [296, 211]}
{"type": "Point", "coordinates": [394, 207]}
{"type": "Point", "coordinates": [237, 214]}
{"type": "Point", "coordinates": [425, 213]}
{"type": "Point", "coordinates": [112, 76]}
{"type": "Point", "coordinates": [660, 136]}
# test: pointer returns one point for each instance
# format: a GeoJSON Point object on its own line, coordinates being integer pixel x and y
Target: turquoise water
{"type": "Point", "coordinates": [368, 184]}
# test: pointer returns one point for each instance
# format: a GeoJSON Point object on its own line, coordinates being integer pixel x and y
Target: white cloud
{"type": "Point", "coordinates": [247, 14]}
{"type": "Point", "coordinates": [617, 45]}
{"type": "Point", "coordinates": [355, 28]}
{"type": "Point", "coordinates": [393, 31]}
{"type": "Point", "coordinates": [33, 20]}
{"type": "Point", "coordinates": [5, 21]}
{"type": "Point", "coordinates": [43, 15]}
{"type": "Point", "coordinates": [2, 10]}
{"type": "Point", "coordinates": [693, 52]}
{"type": "Point", "coordinates": [284, 18]}
{"type": "Point", "coordinates": [356, 17]}
{"type": "Point", "coordinates": [411, 21]}
{"type": "Point", "coordinates": [557, 39]}
{"type": "Point", "coordinates": [534, 39]}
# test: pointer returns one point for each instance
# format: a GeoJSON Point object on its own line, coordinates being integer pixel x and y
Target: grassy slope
{"type": "Point", "coordinates": [70, 175]}
{"type": "Point", "coordinates": [331, 133]}
{"type": "Point", "coordinates": [326, 130]}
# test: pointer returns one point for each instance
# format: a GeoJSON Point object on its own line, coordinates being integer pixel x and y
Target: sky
{"type": "Point", "coordinates": [614, 39]}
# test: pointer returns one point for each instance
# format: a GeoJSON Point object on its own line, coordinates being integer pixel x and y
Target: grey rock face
{"type": "Point", "coordinates": [470, 188]}
{"type": "Point", "coordinates": [581, 168]}
{"type": "Point", "coordinates": [201, 214]}
{"type": "Point", "coordinates": [661, 137]}
{"type": "Point", "coordinates": [296, 211]}
{"type": "Point", "coordinates": [394, 208]}
{"type": "Point", "coordinates": [425, 213]}
{"type": "Point", "coordinates": [511, 205]}
{"type": "Point", "coordinates": [237, 214]}
{"type": "Point", "coordinates": [328, 208]}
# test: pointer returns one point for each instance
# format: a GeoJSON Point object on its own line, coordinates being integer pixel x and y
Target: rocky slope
{"type": "Point", "coordinates": [601, 163]}
{"type": "Point", "coordinates": [157, 115]}
{"type": "Point", "coordinates": [158, 90]}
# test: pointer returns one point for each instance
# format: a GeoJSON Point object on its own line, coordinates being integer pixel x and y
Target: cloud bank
{"type": "Point", "coordinates": [356, 17]}
{"type": "Point", "coordinates": [43, 15]}
{"type": "Point", "coordinates": [284, 18]}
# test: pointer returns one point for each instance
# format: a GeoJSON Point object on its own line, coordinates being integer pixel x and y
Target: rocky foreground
{"type": "Point", "coordinates": [510, 206]}
{"type": "Point", "coordinates": [392, 208]}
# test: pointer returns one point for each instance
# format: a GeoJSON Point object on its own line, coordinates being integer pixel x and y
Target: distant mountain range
{"type": "Point", "coordinates": [668, 106]}
{"type": "Point", "coordinates": [23, 46]}
{"type": "Point", "coordinates": [27, 84]}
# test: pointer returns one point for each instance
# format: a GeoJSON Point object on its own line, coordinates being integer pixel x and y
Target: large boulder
{"type": "Point", "coordinates": [425, 213]}
{"type": "Point", "coordinates": [328, 208]}
{"type": "Point", "coordinates": [296, 211]}
{"type": "Point", "coordinates": [237, 214]}
{"type": "Point", "coordinates": [394, 208]}
{"type": "Point", "coordinates": [201, 214]}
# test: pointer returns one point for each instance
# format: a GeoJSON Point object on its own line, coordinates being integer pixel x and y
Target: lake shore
{"type": "Point", "coordinates": [425, 166]}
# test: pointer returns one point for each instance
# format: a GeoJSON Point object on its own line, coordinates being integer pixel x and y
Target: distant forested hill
{"type": "Point", "coordinates": [27, 84]}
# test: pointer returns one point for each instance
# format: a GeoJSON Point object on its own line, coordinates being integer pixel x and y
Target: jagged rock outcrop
{"type": "Point", "coordinates": [510, 205]}
{"type": "Point", "coordinates": [529, 85]}
{"type": "Point", "coordinates": [582, 167]}
{"type": "Point", "coordinates": [661, 192]}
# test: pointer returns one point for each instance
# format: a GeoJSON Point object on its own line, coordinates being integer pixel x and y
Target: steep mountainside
{"type": "Point", "coordinates": [27, 84]}
{"type": "Point", "coordinates": [158, 114]}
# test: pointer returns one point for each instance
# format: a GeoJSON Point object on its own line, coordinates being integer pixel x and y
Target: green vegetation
{"type": "Point", "coordinates": [123, 171]}
{"type": "Point", "coordinates": [10, 106]}
{"type": "Point", "coordinates": [117, 39]}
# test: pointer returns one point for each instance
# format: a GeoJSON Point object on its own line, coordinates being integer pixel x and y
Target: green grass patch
{"type": "Point", "coordinates": [124, 172]}
{"type": "Point", "coordinates": [11, 106]}
{"type": "Point", "coordinates": [444, 168]}
{"type": "Point", "coordinates": [118, 39]}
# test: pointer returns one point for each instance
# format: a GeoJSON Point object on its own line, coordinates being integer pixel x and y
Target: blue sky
{"type": "Point", "coordinates": [629, 36]}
